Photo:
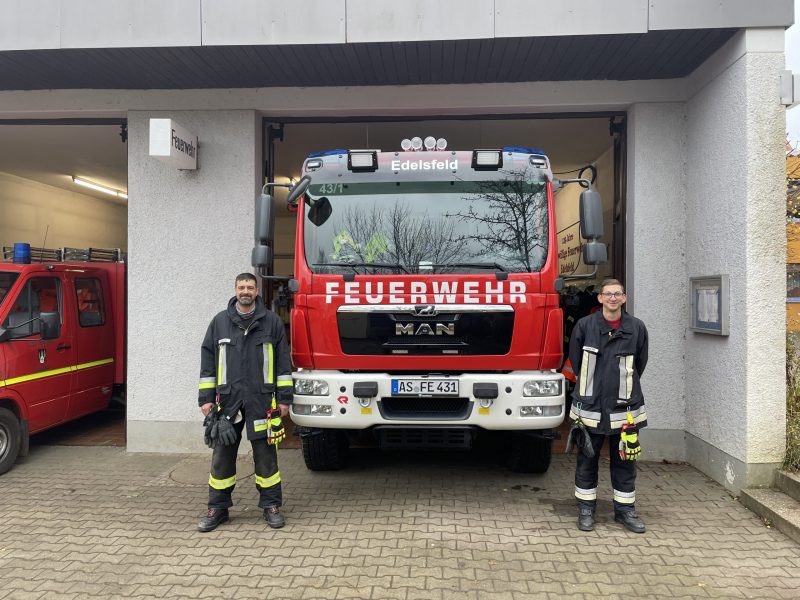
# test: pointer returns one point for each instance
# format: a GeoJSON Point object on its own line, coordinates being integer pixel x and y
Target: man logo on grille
{"type": "Point", "coordinates": [425, 310]}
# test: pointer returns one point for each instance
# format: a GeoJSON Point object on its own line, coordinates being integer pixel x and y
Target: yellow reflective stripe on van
{"type": "Point", "coordinates": [54, 372]}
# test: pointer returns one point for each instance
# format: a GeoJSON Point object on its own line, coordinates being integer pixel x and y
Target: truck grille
{"type": "Point", "coordinates": [448, 332]}
{"type": "Point", "coordinates": [439, 409]}
{"type": "Point", "coordinates": [458, 438]}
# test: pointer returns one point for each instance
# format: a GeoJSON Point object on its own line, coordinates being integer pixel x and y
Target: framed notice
{"type": "Point", "coordinates": [710, 304]}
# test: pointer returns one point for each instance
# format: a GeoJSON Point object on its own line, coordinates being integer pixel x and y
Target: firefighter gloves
{"type": "Point", "coordinates": [629, 448]}
{"type": "Point", "coordinates": [226, 434]}
{"type": "Point", "coordinates": [210, 424]}
{"type": "Point", "coordinates": [579, 438]}
{"type": "Point", "coordinates": [276, 433]}
{"type": "Point", "coordinates": [219, 431]}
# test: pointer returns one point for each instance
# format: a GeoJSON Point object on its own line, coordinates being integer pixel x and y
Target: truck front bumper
{"type": "Point", "coordinates": [340, 408]}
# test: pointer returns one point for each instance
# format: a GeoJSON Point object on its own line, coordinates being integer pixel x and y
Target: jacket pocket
{"type": "Point", "coordinates": [626, 368]}
{"type": "Point", "coordinates": [588, 366]}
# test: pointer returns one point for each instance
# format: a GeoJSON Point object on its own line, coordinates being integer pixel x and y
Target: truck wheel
{"type": "Point", "coordinates": [10, 438]}
{"type": "Point", "coordinates": [325, 449]}
{"type": "Point", "coordinates": [529, 454]}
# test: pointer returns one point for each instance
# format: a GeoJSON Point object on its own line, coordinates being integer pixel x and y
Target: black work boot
{"type": "Point", "coordinates": [631, 520]}
{"type": "Point", "coordinates": [215, 517]}
{"type": "Point", "coordinates": [586, 519]}
{"type": "Point", "coordinates": [273, 517]}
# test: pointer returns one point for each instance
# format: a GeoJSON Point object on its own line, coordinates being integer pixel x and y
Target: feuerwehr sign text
{"type": "Point", "coordinates": [173, 144]}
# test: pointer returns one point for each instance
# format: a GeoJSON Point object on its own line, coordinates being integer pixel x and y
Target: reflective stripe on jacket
{"type": "Point", "coordinates": [246, 362]}
{"type": "Point", "coordinates": [608, 363]}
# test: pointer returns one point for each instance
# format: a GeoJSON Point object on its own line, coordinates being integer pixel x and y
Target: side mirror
{"type": "Point", "coordinates": [49, 326]}
{"type": "Point", "coordinates": [261, 256]}
{"type": "Point", "coordinates": [320, 211]}
{"type": "Point", "coordinates": [298, 190]}
{"type": "Point", "coordinates": [594, 253]}
{"type": "Point", "coordinates": [265, 220]}
{"type": "Point", "coordinates": [591, 215]}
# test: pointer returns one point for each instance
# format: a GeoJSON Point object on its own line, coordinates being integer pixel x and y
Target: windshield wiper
{"type": "Point", "coordinates": [475, 265]}
{"type": "Point", "coordinates": [369, 265]}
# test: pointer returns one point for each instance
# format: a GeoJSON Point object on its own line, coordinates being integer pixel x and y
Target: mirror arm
{"type": "Point", "coordinates": [559, 183]}
{"type": "Point", "coordinates": [584, 276]}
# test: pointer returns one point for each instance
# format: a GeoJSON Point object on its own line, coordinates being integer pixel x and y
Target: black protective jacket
{"type": "Point", "coordinates": [245, 363]}
{"type": "Point", "coordinates": [608, 364]}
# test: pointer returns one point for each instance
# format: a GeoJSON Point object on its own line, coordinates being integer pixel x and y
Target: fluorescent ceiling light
{"type": "Point", "coordinates": [99, 188]}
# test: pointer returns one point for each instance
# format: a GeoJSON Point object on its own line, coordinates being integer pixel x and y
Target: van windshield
{"type": "Point", "coordinates": [427, 227]}
{"type": "Point", "coordinates": [7, 279]}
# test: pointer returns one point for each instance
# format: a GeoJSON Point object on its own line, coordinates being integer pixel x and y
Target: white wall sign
{"type": "Point", "coordinates": [175, 145]}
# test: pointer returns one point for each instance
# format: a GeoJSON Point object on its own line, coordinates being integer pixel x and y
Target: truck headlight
{"type": "Point", "coordinates": [311, 387]}
{"type": "Point", "coordinates": [542, 387]}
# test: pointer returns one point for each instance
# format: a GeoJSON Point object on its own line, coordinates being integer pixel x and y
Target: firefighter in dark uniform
{"type": "Point", "coordinates": [608, 351]}
{"type": "Point", "coordinates": [245, 383]}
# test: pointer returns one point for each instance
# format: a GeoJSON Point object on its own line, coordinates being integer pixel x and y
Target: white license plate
{"type": "Point", "coordinates": [424, 387]}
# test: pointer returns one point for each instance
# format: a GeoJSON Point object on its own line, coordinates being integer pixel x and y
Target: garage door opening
{"type": "Point", "coordinates": [585, 146]}
{"type": "Point", "coordinates": [63, 186]}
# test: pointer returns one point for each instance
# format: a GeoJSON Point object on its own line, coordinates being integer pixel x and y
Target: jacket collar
{"type": "Point", "coordinates": [625, 326]}
{"type": "Point", "coordinates": [260, 312]}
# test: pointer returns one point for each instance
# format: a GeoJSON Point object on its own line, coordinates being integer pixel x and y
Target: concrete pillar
{"type": "Point", "coordinates": [190, 234]}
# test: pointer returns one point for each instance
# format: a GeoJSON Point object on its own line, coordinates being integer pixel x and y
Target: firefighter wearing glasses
{"type": "Point", "coordinates": [608, 351]}
{"type": "Point", "coordinates": [245, 383]}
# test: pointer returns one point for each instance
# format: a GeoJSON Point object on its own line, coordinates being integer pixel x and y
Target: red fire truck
{"type": "Point", "coordinates": [426, 299]}
{"type": "Point", "coordinates": [62, 340]}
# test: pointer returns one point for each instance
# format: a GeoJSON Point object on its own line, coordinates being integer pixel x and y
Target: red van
{"type": "Point", "coordinates": [62, 343]}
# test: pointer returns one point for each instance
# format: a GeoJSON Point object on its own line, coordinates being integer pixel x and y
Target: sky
{"type": "Point", "coordinates": [793, 64]}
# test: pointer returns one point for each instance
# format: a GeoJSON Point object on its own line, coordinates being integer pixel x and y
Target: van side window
{"type": "Point", "coordinates": [40, 294]}
{"type": "Point", "coordinates": [91, 311]}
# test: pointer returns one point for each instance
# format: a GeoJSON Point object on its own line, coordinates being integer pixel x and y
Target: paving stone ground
{"type": "Point", "coordinates": [99, 522]}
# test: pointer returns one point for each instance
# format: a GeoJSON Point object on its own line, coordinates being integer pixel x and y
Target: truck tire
{"type": "Point", "coordinates": [325, 449]}
{"type": "Point", "coordinates": [10, 439]}
{"type": "Point", "coordinates": [529, 454]}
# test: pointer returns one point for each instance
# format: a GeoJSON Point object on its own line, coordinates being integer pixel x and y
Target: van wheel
{"type": "Point", "coordinates": [325, 449]}
{"type": "Point", "coordinates": [529, 454]}
{"type": "Point", "coordinates": [10, 439]}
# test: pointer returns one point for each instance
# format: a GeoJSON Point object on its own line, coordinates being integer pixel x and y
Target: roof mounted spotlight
{"type": "Point", "coordinates": [430, 143]}
{"type": "Point", "coordinates": [441, 144]}
{"type": "Point", "coordinates": [406, 144]}
{"type": "Point", "coordinates": [361, 161]}
{"type": "Point", "coordinates": [487, 160]}
{"type": "Point", "coordinates": [416, 144]}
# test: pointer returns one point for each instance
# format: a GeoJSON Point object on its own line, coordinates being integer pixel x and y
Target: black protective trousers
{"type": "Point", "coordinates": [623, 475]}
{"type": "Point", "coordinates": [223, 473]}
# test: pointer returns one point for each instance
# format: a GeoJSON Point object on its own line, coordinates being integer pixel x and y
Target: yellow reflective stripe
{"type": "Point", "coordinates": [53, 372]}
{"type": "Point", "coordinates": [205, 386]}
{"type": "Point", "coordinates": [270, 367]}
{"type": "Point", "coordinates": [260, 425]}
{"type": "Point", "coordinates": [266, 482]}
{"type": "Point", "coordinates": [221, 484]}
{"type": "Point", "coordinates": [285, 383]}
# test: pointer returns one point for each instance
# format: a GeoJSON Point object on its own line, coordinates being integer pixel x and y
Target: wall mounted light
{"type": "Point", "coordinates": [99, 188]}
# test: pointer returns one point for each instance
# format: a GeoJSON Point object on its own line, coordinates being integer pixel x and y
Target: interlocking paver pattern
{"type": "Point", "coordinates": [83, 522]}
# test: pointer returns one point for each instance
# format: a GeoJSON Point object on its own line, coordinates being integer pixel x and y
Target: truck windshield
{"type": "Point", "coordinates": [427, 227]}
{"type": "Point", "coordinates": [7, 279]}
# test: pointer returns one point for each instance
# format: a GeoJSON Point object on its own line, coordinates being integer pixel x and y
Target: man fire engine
{"type": "Point", "coordinates": [426, 305]}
